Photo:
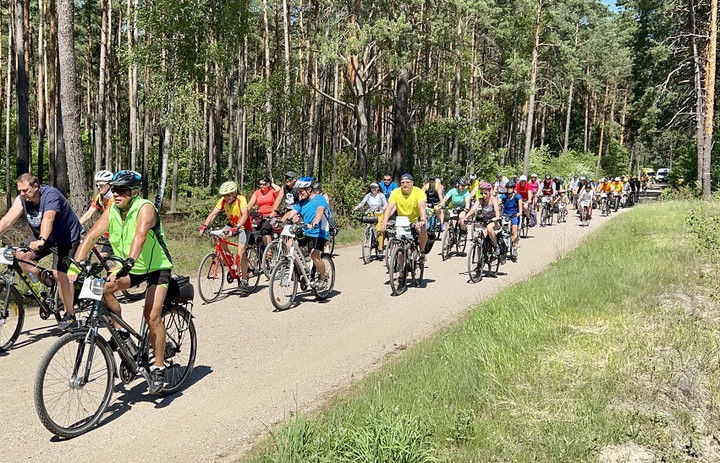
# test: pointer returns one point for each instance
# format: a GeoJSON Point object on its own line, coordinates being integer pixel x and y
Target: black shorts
{"type": "Point", "coordinates": [313, 243]}
{"type": "Point", "coordinates": [59, 251]}
{"type": "Point", "coordinates": [266, 228]}
{"type": "Point", "coordinates": [158, 277]}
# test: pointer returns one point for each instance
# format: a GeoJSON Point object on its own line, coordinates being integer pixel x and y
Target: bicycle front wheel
{"type": "Point", "coordinates": [460, 242]}
{"type": "Point", "coordinates": [283, 285]}
{"type": "Point", "coordinates": [211, 277]}
{"type": "Point", "coordinates": [73, 384]}
{"type": "Point", "coordinates": [254, 270]}
{"type": "Point", "coordinates": [476, 262]}
{"type": "Point", "coordinates": [398, 271]}
{"type": "Point", "coordinates": [367, 245]}
{"type": "Point", "coordinates": [447, 242]}
{"type": "Point", "coordinates": [544, 217]}
{"type": "Point", "coordinates": [12, 315]}
{"type": "Point", "coordinates": [180, 347]}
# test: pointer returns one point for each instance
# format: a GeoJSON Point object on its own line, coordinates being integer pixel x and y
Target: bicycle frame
{"type": "Point", "coordinates": [46, 302]}
{"type": "Point", "coordinates": [295, 254]}
{"type": "Point", "coordinates": [231, 260]}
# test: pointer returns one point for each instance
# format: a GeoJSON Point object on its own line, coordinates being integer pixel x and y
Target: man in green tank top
{"type": "Point", "coordinates": [137, 236]}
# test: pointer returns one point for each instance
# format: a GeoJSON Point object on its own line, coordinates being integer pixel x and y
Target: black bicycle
{"type": "Point", "coordinates": [405, 258]}
{"type": "Point", "coordinates": [75, 378]}
{"type": "Point", "coordinates": [453, 236]}
{"type": "Point", "coordinates": [482, 253]}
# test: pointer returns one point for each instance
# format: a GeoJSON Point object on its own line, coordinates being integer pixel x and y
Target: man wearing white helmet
{"type": "Point", "coordinates": [525, 191]}
{"type": "Point", "coordinates": [103, 199]}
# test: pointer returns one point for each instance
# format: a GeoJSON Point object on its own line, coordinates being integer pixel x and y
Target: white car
{"type": "Point", "coordinates": [663, 175]}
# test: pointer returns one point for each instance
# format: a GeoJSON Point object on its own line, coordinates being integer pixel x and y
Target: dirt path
{"type": "Point", "coordinates": [255, 366]}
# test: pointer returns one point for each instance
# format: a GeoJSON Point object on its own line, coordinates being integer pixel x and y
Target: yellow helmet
{"type": "Point", "coordinates": [227, 188]}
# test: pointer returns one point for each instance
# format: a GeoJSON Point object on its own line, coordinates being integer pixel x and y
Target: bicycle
{"type": "Point", "coordinates": [212, 272]}
{"type": "Point", "coordinates": [405, 258]}
{"type": "Point", "coordinates": [133, 294]}
{"type": "Point", "coordinates": [616, 201]}
{"type": "Point", "coordinates": [482, 253]}
{"type": "Point", "coordinates": [604, 205]}
{"type": "Point", "coordinates": [524, 228]}
{"type": "Point", "coordinates": [562, 212]}
{"type": "Point", "coordinates": [295, 266]}
{"type": "Point", "coordinates": [45, 293]}
{"type": "Point", "coordinates": [453, 236]}
{"type": "Point", "coordinates": [585, 213]}
{"type": "Point", "coordinates": [370, 236]}
{"type": "Point", "coordinates": [75, 378]}
{"type": "Point", "coordinates": [273, 251]}
{"type": "Point", "coordinates": [546, 215]}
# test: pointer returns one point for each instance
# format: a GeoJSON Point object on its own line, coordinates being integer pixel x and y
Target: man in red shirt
{"type": "Point", "coordinates": [524, 190]}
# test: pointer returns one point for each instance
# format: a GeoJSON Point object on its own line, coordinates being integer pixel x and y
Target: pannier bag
{"type": "Point", "coordinates": [180, 289]}
{"type": "Point", "coordinates": [533, 219]}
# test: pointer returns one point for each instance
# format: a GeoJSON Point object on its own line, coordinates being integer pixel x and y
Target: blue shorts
{"type": "Point", "coordinates": [515, 220]}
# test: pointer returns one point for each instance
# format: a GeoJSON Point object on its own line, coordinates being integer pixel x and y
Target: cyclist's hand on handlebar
{"type": "Point", "coordinates": [233, 231]}
{"type": "Point", "coordinates": [73, 272]}
{"type": "Point", "coordinates": [202, 229]}
{"type": "Point", "coordinates": [121, 270]}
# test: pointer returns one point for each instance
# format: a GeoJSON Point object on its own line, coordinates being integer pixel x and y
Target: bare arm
{"type": "Point", "coordinates": [87, 215]}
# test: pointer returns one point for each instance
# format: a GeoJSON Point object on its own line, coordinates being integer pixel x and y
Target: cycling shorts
{"type": "Point", "coordinates": [158, 277]}
{"type": "Point", "coordinates": [313, 242]}
{"type": "Point", "coordinates": [59, 251]}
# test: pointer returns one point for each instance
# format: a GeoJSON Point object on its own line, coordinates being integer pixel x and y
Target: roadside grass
{"type": "Point", "coordinates": [609, 355]}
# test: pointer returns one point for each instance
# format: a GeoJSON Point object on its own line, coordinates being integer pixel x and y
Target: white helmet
{"type": "Point", "coordinates": [523, 178]}
{"type": "Point", "coordinates": [103, 176]}
{"type": "Point", "coordinates": [617, 179]}
{"type": "Point", "coordinates": [304, 182]}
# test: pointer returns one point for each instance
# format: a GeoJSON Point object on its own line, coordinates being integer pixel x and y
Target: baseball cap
{"type": "Point", "coordinates": [406, 176]}
{"type": "Point", "coordinates": [290, 174]}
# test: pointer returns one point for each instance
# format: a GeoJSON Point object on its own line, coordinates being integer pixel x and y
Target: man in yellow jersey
{"type": "Point", "coordinates": [409, 201]}
{"type": "Point", "coordinates": [236, 210]}
{"type": "Point", "coordinates": [136, 235]}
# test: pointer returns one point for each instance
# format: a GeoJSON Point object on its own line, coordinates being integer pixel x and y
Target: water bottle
{"type": "Point", "coordinates": [35, 284]}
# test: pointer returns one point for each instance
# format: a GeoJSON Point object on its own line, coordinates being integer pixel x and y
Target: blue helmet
{"type": "Point", "coordinates": [304, 182]}
{"type": "Point", "coordinates": [128, 178]}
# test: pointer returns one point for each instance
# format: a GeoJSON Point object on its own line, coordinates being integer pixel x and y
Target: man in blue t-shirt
{"type": "Point", "coordinates": [311, 207]}
{"type": "Point", "coordinates": [56, 229]}
{"type": "Point", "coordinates": [387, 185]}
{"type": "Point", "coordinates": [512, 205]}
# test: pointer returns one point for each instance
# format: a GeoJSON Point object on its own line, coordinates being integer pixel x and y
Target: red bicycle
{"type": "Point", "coordinates": [221, 265]}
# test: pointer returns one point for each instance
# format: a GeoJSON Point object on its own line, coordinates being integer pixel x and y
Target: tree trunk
{"type": "Point", "coordinates": [567, 117]}
{"type": "Point", "coordinates": [41, 92]}
{"type": "Point", "coordinates": [533, 89]}
{"type": "Point", "coordinates": [400, 119]}
{"type": "Point", "coordinates": [709, 100]}
{"type": "Point", "coordinates": [268, 104]}
{"type": "Point", "coordinates": [100, 116]}
{"type": "Point", "coordinates": [602, 127]}
{"type": "Point", "coordinates": [165, 153]}
{"type": "Point", "coordinates": [132, 35]}
{"type": "Point", "coordinates": [699, 94]}
{"type": "Point", "coordinates": [8, 100]}
{"type": "Point", "coordinates": [68, 97]}
{"type": "Point", "coordinates": [22, 136]}
{"type": "Point", "coordinates": [454, 152]}
{"type": "Point", "coordinates": [147, 135]}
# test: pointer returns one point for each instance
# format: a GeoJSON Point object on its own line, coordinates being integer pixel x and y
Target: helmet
{"type": "Point", "coordinates": [485, 186]}
{"type": "Point", "coordinates": [510, 184]}
{"type": "Point", "coordinates": [523, 178]}
{"type": "Point", "coordinates": [128, 178]}
{"type": "Point", "coordinates": [462, 181]}
{"type": "Point", "coordinates": [473, 177]}
{"type": "Point", "coordinates": [617, 179]}
{"type": "Point", "coordinates": [500, 174]}
{"type": "Point", "coordinates": [227, 188]}
{"type": "Point", "coordinates": [304, 182]}
{"type": "Point", "coordinates": [533, 175]}
{"type": "Point", "coordinates": [588, 186]}
{"type": "Point", "coordinates": [603, 180]}
{"type": "Point", "coordinates": [103, 176]}
{"type": "Point", "coordinates": [548, 177]}
{"type": "Point", "coordinates": [583, 178]}
{"type": "Point", "coordinates": [317, 186]}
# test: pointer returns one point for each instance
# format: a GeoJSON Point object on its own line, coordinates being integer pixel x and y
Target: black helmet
{"type": "Point", "coordinates": [462, 181]}
{"type": "Point", "coordinates": [317, 186]}
{"type": "Point", "coordinates": [128, 178]}
{"type": "Point", "coordinates": [510, 184]}
{"type": "Point", "coordinates": [548, 177]}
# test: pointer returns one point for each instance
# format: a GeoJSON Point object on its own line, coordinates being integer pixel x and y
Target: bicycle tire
{"type": "Point", "coordinates": [270, 257]}
{"type": "Point", "coordinates": [254, 271]}
{"type": "Point", "coordinates": [476, 262]}
{"type": "Point", "coordinates": [329, 274]}
{"type": "Point", "coordinates": [367, 245]}
{"type": "Point", "coordinates": [389, 249]}
{"type": "Point", "coordinates": [135, 293]}
{"type": "Point", "coordinates": [460, 242]}
{"type": "Point", "coordinates": [179, 356]}
{"type": "Point", "coordinates": [446, 243]}
{"type": "Point", "coordinates": [12, 315]}
{"type": "Point", "coordinates": [543, 217]}
{"type": "Point", "coordinates": [286, 281]}
{"type": "Point", "coordinates": [211, 277]}
{"type": "Point", "coordinates": [330, 245]}
{"type": "Point", "coordinates": [524, 227]}
{"type": "Point", "coordinates": [58, 393]}
{"type": "Point", "coordinates": [398, 271]}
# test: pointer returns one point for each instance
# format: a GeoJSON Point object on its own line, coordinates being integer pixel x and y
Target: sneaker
{"type": "Point", "coordinates": [243, 285]}
{"type": "Point", "coordinates": [320, 284]}
{"type": "Point", "coordinates": [515, 252]}
{"type": "Point", "coordinates": [157, 380]}
{"type": "Point", "coordinates": [421, 260]}
{"type": "Point", "coordinates": [496, 251]}
{"type": "Point", "coordinates": [68, 321]}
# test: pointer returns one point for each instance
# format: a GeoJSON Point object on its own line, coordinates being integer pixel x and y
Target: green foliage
{"type": "Point", "coordinates": [615, 162]}
{"type": "Point", "coordinates": [345, 188]}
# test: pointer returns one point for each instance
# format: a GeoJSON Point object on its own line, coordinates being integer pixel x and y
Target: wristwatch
{"type": "Point", "coordinates": [40, 238]}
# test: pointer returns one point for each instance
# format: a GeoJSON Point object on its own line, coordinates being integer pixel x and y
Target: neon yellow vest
{"type": "Point", "coordinates": [154, 255]}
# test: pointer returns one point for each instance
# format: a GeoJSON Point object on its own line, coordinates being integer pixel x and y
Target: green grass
{"type": "Point", "coordinates": [562, 367]}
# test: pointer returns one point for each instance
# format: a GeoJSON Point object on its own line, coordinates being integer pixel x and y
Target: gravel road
{"type": "Point", "coordinates": [254, 366]}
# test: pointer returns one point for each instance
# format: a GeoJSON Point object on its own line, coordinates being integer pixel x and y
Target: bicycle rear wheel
{"type": "Point", "coordinates": [398, 271]}
{"type": "Point", "coordinates": [367, 245]}
{"type": "Point", "coordinates": [524, 227]}
{"type": "Point", "coordinates": [136, 292]}
{"type": "Point", "coordinates": [180, 347]}
{"type": "Point", "coordinates": [283, 285]}
{"type": "Point", "coordinates": [329, 275]}
{"type": "Point", "coordinates": [211, 277]}
{"type": "Point", "coordinates": [330, 245]}
{"type": "Point", "coordinates": [12, 315]}
{"type": "Point", "coordinates": [254, 271]}
{"type": "Point", "coordinates": [67, 403]}
{"type": "Point", "coordinates": [543, 217]}
{"type": "Point", "coordinates": [476, 262]}
{"type": "Point", "coordinates": [271, 256]}
{"type": "Point", "coordinates": [460, 241]}
{"type": "Point", "coordinates": [447, 242]}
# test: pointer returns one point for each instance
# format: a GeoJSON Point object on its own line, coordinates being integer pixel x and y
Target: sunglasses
{"type": "Point", "coordinates": [263, 184]}
{"type": "Point", "coordinates": [120, 190]}
{"type": "Point", "coordinates": [100, 185]}
{"type": "Point", "coordinates": [288, 179]}
{"type": "Point", "coordinates": [386, 180]}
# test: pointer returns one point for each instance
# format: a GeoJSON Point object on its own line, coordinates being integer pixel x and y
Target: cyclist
{"type": "Point", "coordinates": [535, 189]}
{"type": "Point", "coordinates": [289, 193]}
{"type": "Point", "coordinates": [488, 207]}
{"type": "Point", "coordinates": [136, 235]}
{"type": "Point", "coordinates": [586, 198]}
{"type": "Point", "coordinates": [55, 230]}
{"type": "Point", "coordinates": [547, 188]}
{"type": "Point", "coordinates": [236, 210]}
{"type": "Point", "coordinates": [387, 185]}
{"type": "Point", "coordinates": [265, 198]}
{"type": "Point", "coordinates": [523, 189]}
{"type": "Point", "coordinates": [375, 202]}
{"type": "Point", "coordinates": [317, 188]}
{"type": "Point", "coordinates": [433, 191]}
{"type": "Point", "coordinates": [474, 182]}
{"type": "Point", "coordinates": [409, 201]}
{"type": "Point", "coordinates": [458, 196]}
{"type": "Point", "coordinates": [512, 206]}
{"type": "Point", "coordinates": [103, 199]}
{"type": "Point", "coordinates": [500, 182]}
{"type": "Point", "coordinates": [311, 207]}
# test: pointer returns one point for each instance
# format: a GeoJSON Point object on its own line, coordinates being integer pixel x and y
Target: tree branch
{"type": "Point", "coordinates": [331, 98]}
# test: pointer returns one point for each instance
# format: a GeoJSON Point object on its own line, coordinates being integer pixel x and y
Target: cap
{"type": "Point", "coordinates": [433, 177]}
{"type": "Point", "coordinates": [523, 178]}
{"type": "Point", "coordinates": [406, 176]}
{"type": "Point", "coordinates": [374, 184]}
{"type": "Point", "coordinates": [291, 174]}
